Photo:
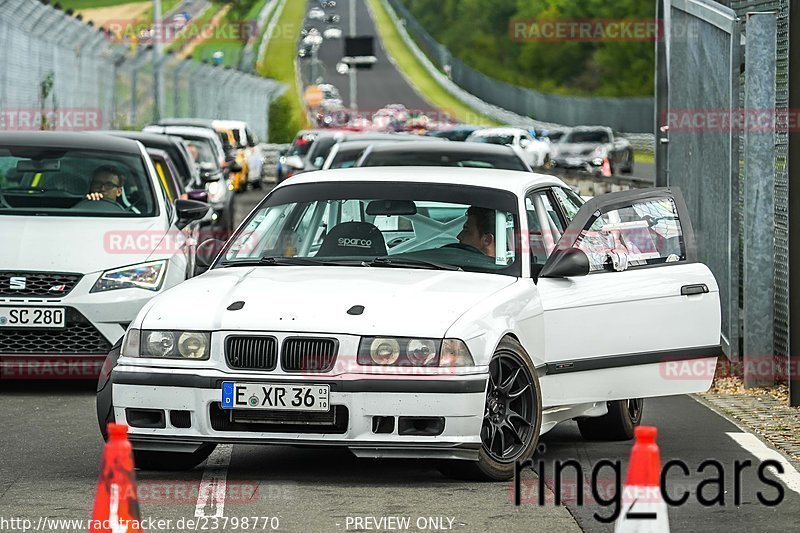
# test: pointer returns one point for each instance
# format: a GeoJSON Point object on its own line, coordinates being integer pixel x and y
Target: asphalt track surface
{"type": "Point", "coordinates": [50, 449]}
{"type": "Point", "coordinates": [376, 87]}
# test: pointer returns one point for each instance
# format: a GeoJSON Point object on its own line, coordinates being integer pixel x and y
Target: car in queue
{"type": "Point", "coordinates": [325, 140]}
{"type": "Point", "coordinates": [175, 147]}
{"type": "Point", "coordinates": [346, 154]}
{"type": "Point", "coordinates": [89, 236]}
{"type": "Point", "coordinates": [492, 306]}
{"type": "Point", "coordinates": [537, 152]}
{"type": "Point", "coordinates": [595, 149]}
{"type": "Point", "coordinates": [209, 156]}
{"type": "Point", "coordinates": [458, 132]}
{"type": "Point", "coordinates": [449, 154]}
{"type": "Point", "coordinates": [247, 142]}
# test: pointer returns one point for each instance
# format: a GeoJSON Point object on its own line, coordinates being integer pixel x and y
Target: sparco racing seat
{"type": "Point", "coordinates": [360, 239]}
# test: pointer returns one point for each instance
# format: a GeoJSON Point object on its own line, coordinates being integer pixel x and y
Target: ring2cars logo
{"type": "Point", "coordinates": [606, 490]}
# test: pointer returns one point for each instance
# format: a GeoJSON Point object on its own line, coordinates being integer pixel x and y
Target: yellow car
{"type": "Point", "coordinates": [238, 167]}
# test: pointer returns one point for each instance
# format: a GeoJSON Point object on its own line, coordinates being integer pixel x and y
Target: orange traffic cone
{"type": "Point", "coordinates": [116, 506]}
{"type": "Point", "coordinates": [605, 170]}
{"type": "Point", "coordinates": [643, 508]}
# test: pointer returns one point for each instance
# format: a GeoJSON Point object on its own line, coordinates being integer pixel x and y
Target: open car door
{"type": "Point", "coordinates": [645, 320]}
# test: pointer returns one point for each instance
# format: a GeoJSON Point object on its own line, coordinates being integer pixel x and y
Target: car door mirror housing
{"type": "Point", "coordinates": [566, 264]}
{"type": "Point", "coordinates": [294, 161]}
{"type": "Point", "coordinates": [189, 211]}
{"type": "Point", "coordinates": [206, 252]}
{"type": "Point", "coordinates": [198, 195]}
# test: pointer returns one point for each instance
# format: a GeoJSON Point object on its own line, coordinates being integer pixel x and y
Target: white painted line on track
{"type": "Point", "coordinates": [751, 443]}
{"type": "Point", "coordinates": [211, 496]}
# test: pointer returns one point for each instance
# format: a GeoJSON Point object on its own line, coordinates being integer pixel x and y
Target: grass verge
{"type": "Point", "coordinates": [408, 63]}
{"type": "Point", "coordinates": [278, 63]}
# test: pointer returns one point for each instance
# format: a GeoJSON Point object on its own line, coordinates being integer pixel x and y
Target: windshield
{"type": "Point", "coordinates": [444, 159]}
{"type": "Point", "coordinates": [594, 137]}
{"type": "Point", "coordinates": [347, 158]}
{"type": "Point", "coordinates": [408, 225]}
{"type": "Point", "coordinates": [202, 151]}
{"type": "Point", "coordinates": [494, 139]}
{"type": "Point", "coordinates": [60, 181]}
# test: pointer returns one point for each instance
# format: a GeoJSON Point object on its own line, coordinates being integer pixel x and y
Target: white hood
{"type": "Point", "coordinates": [75, 244]}
{"type": "Point", "coordinates": [397, 301]}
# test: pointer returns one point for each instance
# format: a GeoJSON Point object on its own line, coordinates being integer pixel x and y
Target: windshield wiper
{"type": "Point", "coordinates": [405, 262]}
{"type": "Point", "coordinates": [290, 261]}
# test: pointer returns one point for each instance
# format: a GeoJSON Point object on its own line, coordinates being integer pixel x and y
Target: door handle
{"type": "Point", "coordinates": [688, 290]}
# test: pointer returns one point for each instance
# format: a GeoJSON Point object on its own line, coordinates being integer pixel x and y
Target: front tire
{"type": "Point", "coordinates": [171, 461]}
{"type": "Point", "coordinates": [512, 417]}
{"type": "Point", "coordinates": [618, 424]}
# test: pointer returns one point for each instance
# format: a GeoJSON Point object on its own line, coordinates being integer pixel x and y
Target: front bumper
{"type": "Point", "coordinates": [457, 400]}
{"type": "Point", "coordinates": [93, 323]}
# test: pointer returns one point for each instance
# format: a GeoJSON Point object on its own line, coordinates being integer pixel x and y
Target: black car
{"type": "Point", "coordinates": [346, 154]}
{"type": "Point", "coordinates": [443, 155]}
{"type": "Point", "coordinates": [326, 140]}
{"type": "Point", "coordinates": [178, 153]}
{"type": "Point", "coordinates": [455, 133]}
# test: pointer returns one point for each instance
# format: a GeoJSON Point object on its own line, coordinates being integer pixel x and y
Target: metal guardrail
{"type": "Point", "coordinates": [641, 141]}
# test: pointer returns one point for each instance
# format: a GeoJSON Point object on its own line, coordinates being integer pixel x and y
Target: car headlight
{"type": "Point", "coordinates": [142, 276]}
{"type": "Point", "coordinates": [166, 344]}
{"type": "Point", "coordinates": [216, 191]}
{"type": "Point", "coordinates": [403, 351]}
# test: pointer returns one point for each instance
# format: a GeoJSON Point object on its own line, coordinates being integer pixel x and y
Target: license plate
{"type": "Point", "coordinates": [276, 396]}
{"type": "Point", "coordinates": [32, 317]}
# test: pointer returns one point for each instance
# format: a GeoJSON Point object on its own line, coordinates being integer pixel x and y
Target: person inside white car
{"type": "Point", "coordinates": [106, 183]}
{"type": "Point", "coordinates": [478, 230]}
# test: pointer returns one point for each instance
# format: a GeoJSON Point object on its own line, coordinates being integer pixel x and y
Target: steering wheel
{"type": "Point", "coordinates": [103, 204]}
{"type": "Point", "coordinates": [462, 246]}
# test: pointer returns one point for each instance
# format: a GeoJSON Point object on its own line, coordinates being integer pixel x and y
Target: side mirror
{"type": "Point", "coordinates": [206, 252]}
{"type": "Point", "coordinates": [294, 161]}
{"type": "Point", "coordinates": [190, 210]}
{"type": "Point", "coordinates": [524, 143]}
{"type": "Point", "coordinates": [198, 195]}
{"type": "Point", "coordinates": [209, 173]}
{"type": "Point", "coordinates": [566, 264]}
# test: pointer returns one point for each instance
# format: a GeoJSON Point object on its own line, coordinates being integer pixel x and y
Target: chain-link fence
{"type": "Point", "coordinates": [58, 72]}
{"type": "Point", "coordinates": [723, 100]}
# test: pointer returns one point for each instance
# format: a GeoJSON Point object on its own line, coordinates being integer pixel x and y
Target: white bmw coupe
{"type": "Point", "coordinates": [419, 312]}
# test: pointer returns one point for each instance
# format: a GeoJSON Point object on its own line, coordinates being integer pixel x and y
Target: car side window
{"type": "Point", "coordinates": [569, 201]}
{"type": "Point", "coordinates": [544, 225]}
{"type": "Point", "coordinates": [644, 233]}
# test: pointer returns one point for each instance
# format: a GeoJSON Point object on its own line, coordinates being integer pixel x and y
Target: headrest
{"type": "Point", "coordinates": [353, 239]}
